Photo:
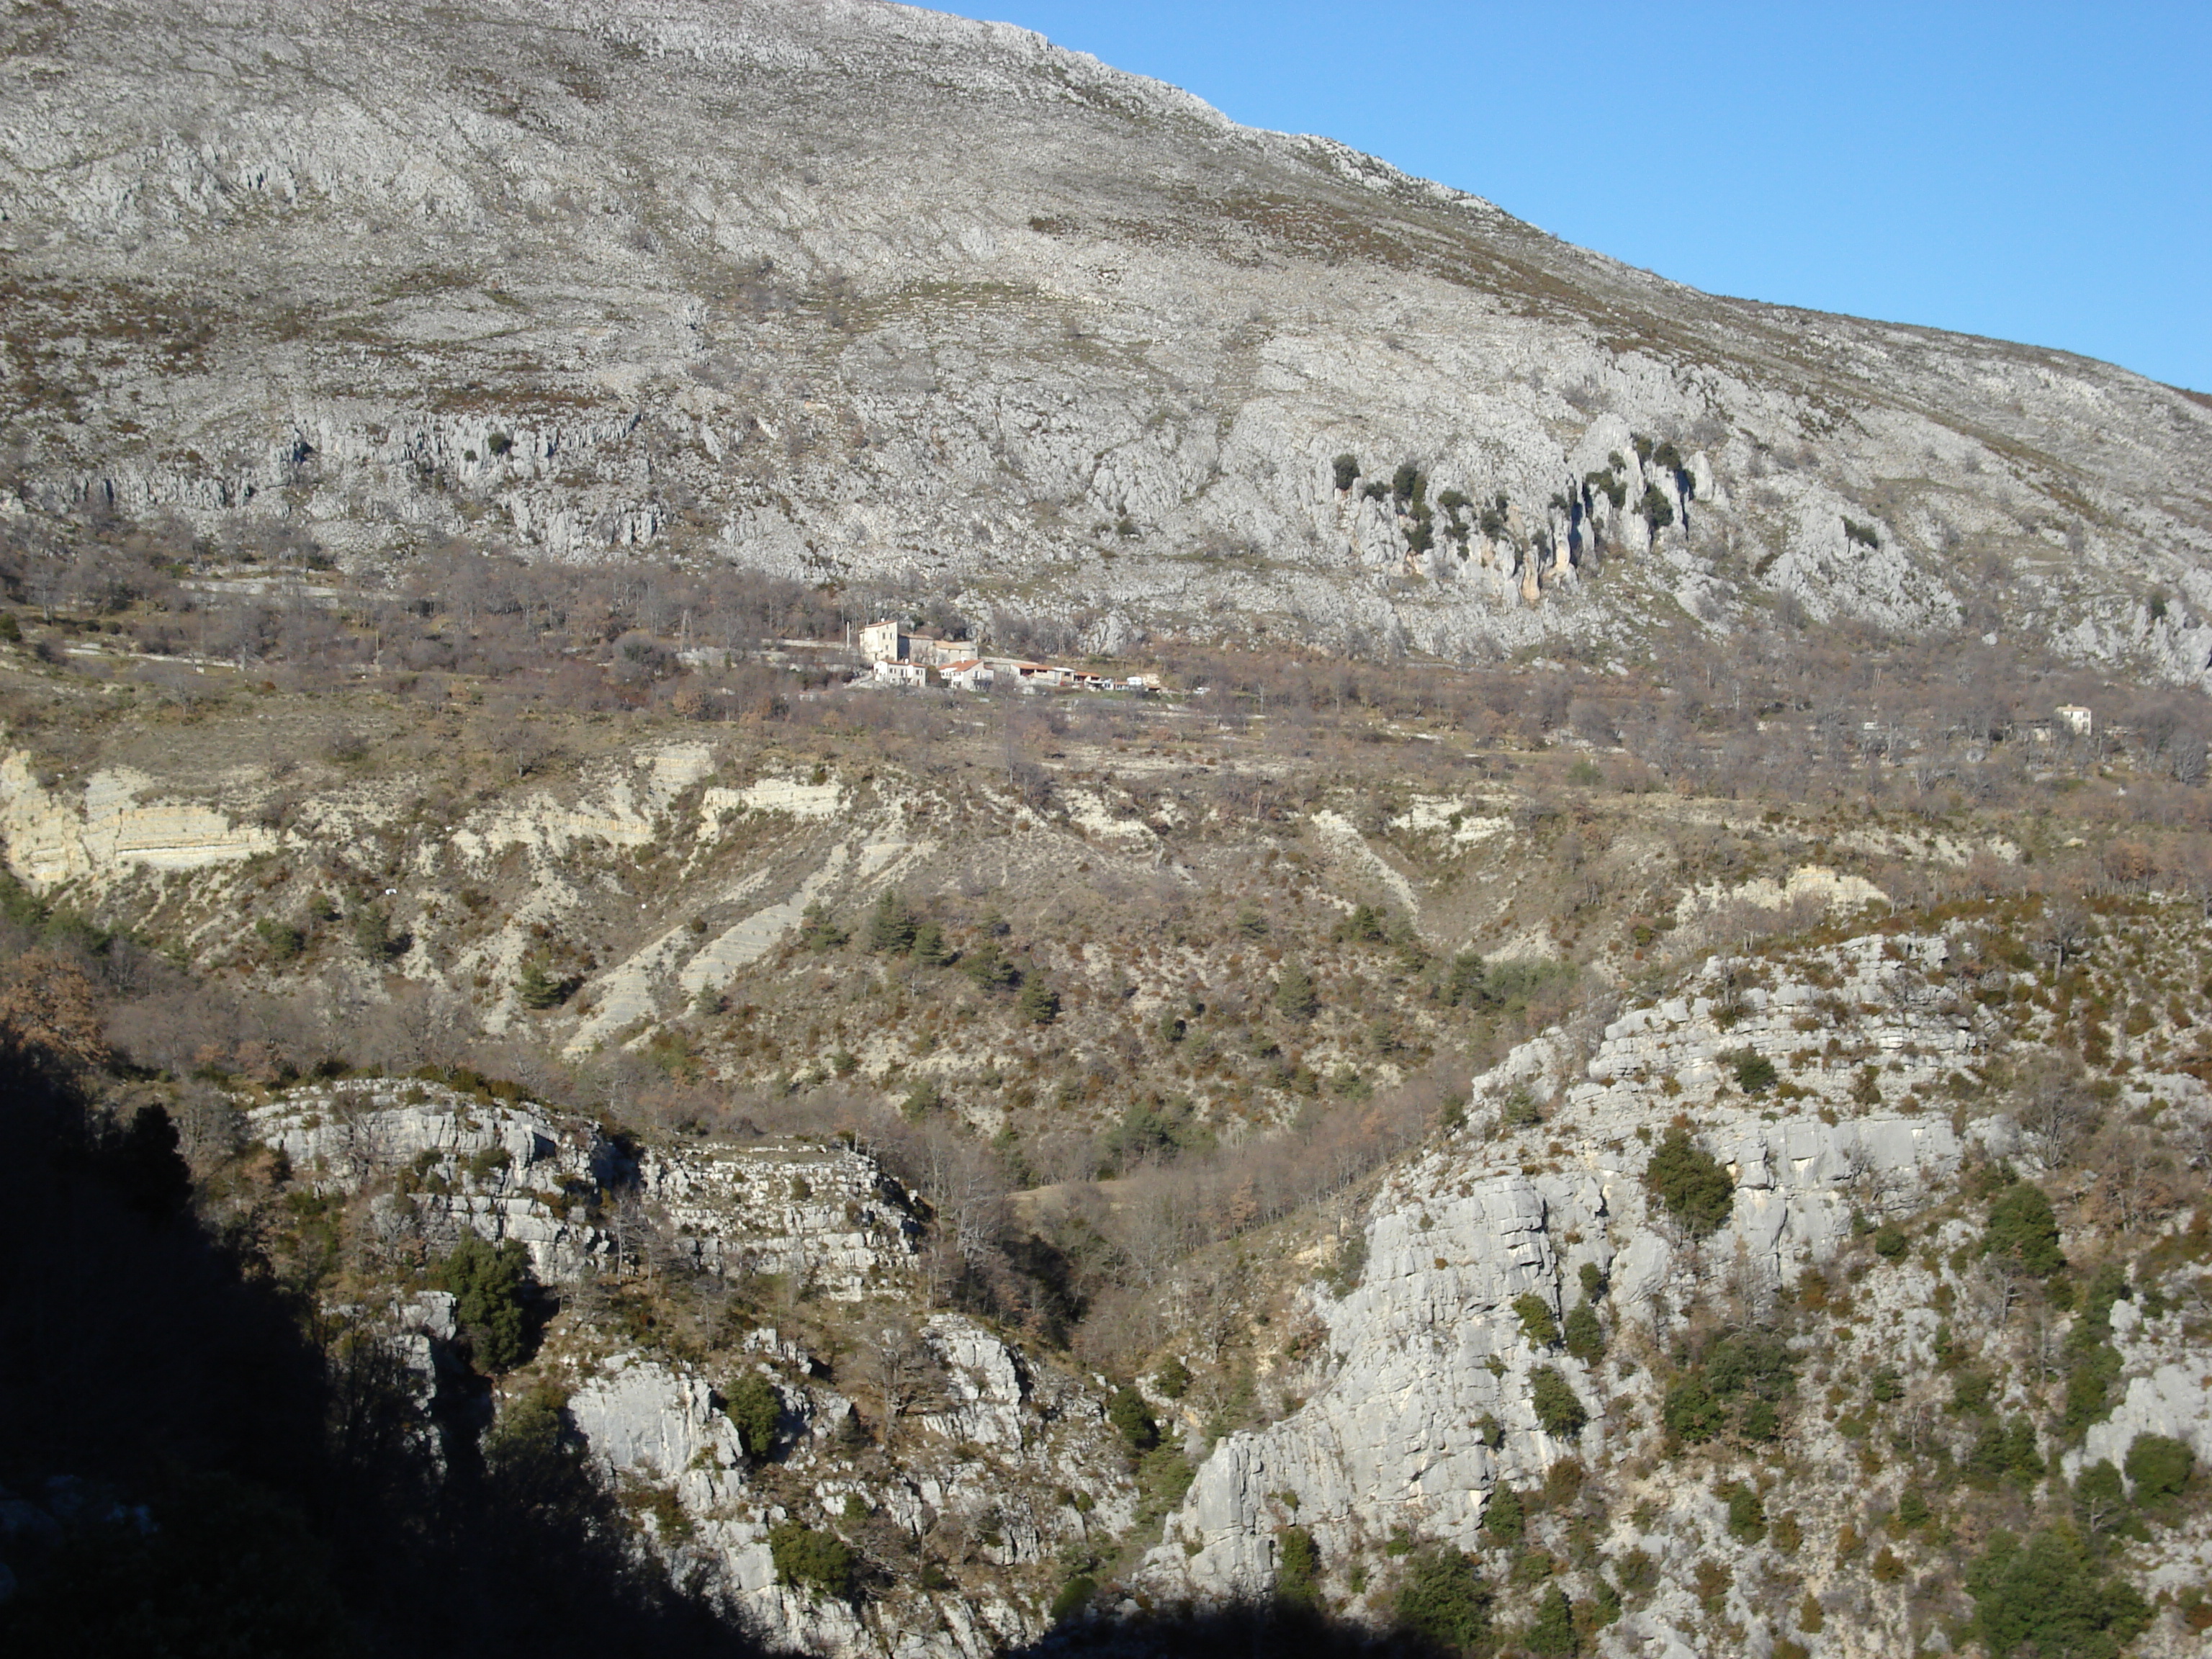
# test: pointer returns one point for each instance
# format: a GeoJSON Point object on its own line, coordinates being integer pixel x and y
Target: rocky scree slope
{"type": "Point", "coordinates": [869, 294]}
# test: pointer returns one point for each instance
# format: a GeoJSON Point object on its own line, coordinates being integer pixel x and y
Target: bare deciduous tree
{"type": "Point", "coordinates": [1997, 1286]}
{"type": "Point", "coordinates": [2062, 930]}
{"type": "Point", "coordinates": [209, 1128]}
{"type": "Point", "coordinates": [642, 1242]}
{"type": "Point", "coordinates": [2134, 1176]}
{"type": "Point", "coordinates": [900, 1367]}
{"type": "Point", "coordinates": [365, 1148]}
{"type": "Point", "coordinates": [2055, 1109]}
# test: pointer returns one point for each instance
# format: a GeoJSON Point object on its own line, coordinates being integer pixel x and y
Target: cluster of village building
{"type": "Point", "coordinates": [904, 656]}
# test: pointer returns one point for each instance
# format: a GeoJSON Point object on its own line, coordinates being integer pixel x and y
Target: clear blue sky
{"type": "Point", "coordinates": [2035, 172]}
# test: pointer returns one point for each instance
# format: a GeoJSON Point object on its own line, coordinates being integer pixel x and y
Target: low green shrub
{"type": "Point", "coordinates": [2046, 1593]}
{"type": "Point", "coordinates": [1585, 1334]}
{"type": "Point", "coordinates": [1505, 1516]}
{"type": "Point", "coordinates": [285, 942]}
{"type": "Point", "coordinates": [2159, 1465]}
{"type": "Point", "coordinates": [1163, 1476]}
{"type": "Point", "coordinates": [1691, 1183]}
{"type": "Point", "coordinates": [1558, 1408]}
{"type": "Point", "coordinates": [1754, 1072]}
{"type": "Point", "coordinates": [1747, 1513]}
{"type": "Point", "coordinates": [1128, 1413]}
{"type": "Point", "coordinates": [1442, 1599]}
{"type": "Point", "coordinates": [807, 1558]}
{"type": "Point", "coordinates": [1537, 1323]}
{"type": "Point", "coordinates": [1074, 1595]}
{"type": "Point", "coordinates": [1297, 1566]}
{"type": "Point", "coordinates": [755, 1411]}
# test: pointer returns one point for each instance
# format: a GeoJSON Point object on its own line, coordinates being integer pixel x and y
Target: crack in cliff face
{"type": "Point", "coordinates": [1079, 350]}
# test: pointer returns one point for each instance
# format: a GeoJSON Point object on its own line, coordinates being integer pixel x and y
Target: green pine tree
{"type": "Point", "coordinates": [536, 989]}
{"type": "Point", "coordinates": [1039, 1004]}
{"type": "Point", "coordinates": [492, 1290]}
{"type": "Point", "coordinates": [929, 946]}
{"type": "Point", "coordinates": [2023, 1225]}
{"type": "Point", "coordinates": [1691, 1183]}
{"type": "Point", "coordinates": [988, 966]}
{"type": "Point", "coordinates": [1554, 1632]}
{"type": "Point", "coordinates": [891, 926]}
{"type": "Point", "coordinates": [1442, 1599]}
{"type": "Point", "coordinates": [755, 1411]}
{"type": "Point", "coordinates": [818, 931]}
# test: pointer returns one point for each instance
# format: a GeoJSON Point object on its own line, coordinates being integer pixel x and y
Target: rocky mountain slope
{"type": "Point", "coordinates": [956, 1201]}
{"type": "Point", "coordinates": [1649, 1098]}
{"type": "Point", "coordinates": [881, 297]}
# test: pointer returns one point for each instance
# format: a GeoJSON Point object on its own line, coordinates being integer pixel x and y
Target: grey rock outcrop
{"type": "Point", "coordinates": [1425, 1402]}
{"type": "Point", "coordinates": [987, 1454]}
{"type": "Point", "coordinates": [500, 1171]}
{"type": "Point", "coordinates": [643, 1419]}
{"type": "Point", "coordinates": [2168, 1390]}
{"type": "Point", "coordinates": [824, 1218]}
{"type": "Point", "coordinates": [439, 1162]}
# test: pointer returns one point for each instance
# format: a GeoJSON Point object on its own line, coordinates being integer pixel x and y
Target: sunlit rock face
{"type": "Point", "coordinates": [859, 292]}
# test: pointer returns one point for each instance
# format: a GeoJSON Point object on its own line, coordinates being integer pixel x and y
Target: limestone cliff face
{"type": "Point", "coordinates": [863, 292]}
{"type": "Point", "coordinates": [464, 1165]}
{"type": "Point", "coordinates": [1428, 1360]}
{"type": "Point", "coordinates": [1424, 1398]}
{"type": "Point", "coordinates": [825, 1217]}
{"type": "Point", "coordinates": [1003, 1439]}
{"type": "Point", "coordinates": [985, 1436]}
{"type": "Point", "coordinates": [1420, 1383]}
{"type": "Point", "coordinates": [113, 828]}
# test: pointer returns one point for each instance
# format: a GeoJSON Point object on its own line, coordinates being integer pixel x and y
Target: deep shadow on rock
{"type": "Point", "coordinates": [1239, 1631]}
{"type": "Point", "coordinates": [183, 1470]}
